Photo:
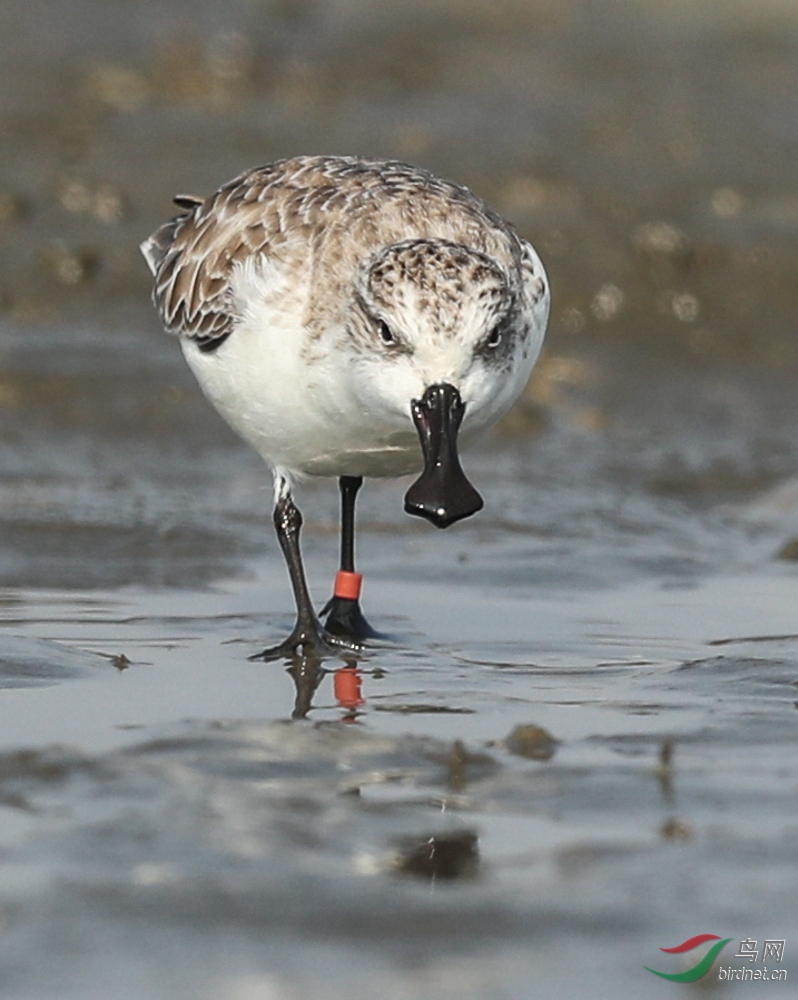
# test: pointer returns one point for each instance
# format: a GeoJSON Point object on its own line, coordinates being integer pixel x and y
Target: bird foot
{"type": "Point", "coordinates": [345, 619]}
{"type": "Point", "coordinates": [309, 639]}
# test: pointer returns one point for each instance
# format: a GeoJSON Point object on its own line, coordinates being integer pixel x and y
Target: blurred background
{"type": "Point", "coordinates": [646, 148]}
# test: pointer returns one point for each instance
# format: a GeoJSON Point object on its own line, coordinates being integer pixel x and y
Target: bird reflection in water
{"type": "Point", "coordinates": [307, 673]}
{"type": "Point", "coordinates": [347, 685]}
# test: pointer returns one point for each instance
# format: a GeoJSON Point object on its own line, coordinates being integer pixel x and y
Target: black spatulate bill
{"type": "Point", "coordinates": [442, 493]}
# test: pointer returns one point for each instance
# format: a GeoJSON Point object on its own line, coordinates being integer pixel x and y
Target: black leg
{"type": "Point", "coordinates": [309, 636]}
{"type": "Point", "coordinates": [349, 487]}
{"type": "Point", "coordinates": [344, 616]}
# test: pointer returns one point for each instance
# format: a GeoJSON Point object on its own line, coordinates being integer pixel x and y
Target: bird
{"type": "Point", "coordinates": [351, 318]}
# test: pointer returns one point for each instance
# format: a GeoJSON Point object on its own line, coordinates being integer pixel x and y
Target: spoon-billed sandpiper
{"type": "Point", "coordinates": [348, 318]}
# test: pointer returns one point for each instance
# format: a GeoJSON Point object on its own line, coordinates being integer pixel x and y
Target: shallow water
{"type": "Point", "coordinates": [169, 831]}
{"type": "Point", "coordinates": [576, 744]}
{"type": "Point", "coordinates": [179, 821]}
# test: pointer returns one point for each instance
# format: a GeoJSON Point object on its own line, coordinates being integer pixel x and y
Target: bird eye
{"type": "Point", "coordinates": [385, 333]}
{"type": "Point", "coordinates": [495, 338]}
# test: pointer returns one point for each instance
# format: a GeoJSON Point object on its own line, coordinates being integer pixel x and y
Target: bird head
{"type": "Point", "coordinates": [443, 328]}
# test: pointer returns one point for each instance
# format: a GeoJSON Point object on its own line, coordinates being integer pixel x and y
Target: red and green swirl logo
{"type": "Point", "coordinates": [700, 968]}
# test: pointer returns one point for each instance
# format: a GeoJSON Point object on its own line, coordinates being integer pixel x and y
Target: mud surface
{"type": "Point", "coordinates": [576, 745]}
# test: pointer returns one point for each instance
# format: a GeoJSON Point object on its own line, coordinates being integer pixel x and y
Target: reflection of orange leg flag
{"type": "Point", "coordinates": [347, 687]}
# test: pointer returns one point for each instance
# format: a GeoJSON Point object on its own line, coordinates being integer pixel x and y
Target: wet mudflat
{"type": "Point", "coordinates": [576, 744]}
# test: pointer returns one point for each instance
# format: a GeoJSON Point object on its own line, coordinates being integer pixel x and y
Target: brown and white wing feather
{"type": "Point", "coordinates": [533, 275]}
{"type": "Point", "coordinates": [338, 208]}
{"type": "Point", "coordinates": [192, 258]}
